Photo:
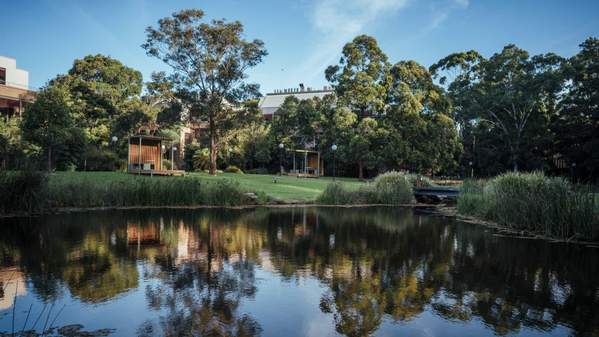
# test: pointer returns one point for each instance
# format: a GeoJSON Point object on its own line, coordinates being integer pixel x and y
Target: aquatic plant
{"type": "Point", "coordinates": [533, 202]}
{"type": "Point", "coordinates": [22, 191]}
{"type": "Point", "coordinates": [336, 194]}
{"type": "Point", "coordinates": [393, 188]}
{"type": "Point", "coordinates": [388, 188]}
{"type": "Point", "coordinates": [145, 191]}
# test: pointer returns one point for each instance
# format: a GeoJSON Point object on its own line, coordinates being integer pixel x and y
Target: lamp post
{"type": "Point", "coordinates": [173, 158]}
{"type": "Point", "coordinates": [471, 169]}
{"type": "Point", "coordinates": [113, 141]}
{"type": "Point", "coordinates": [281, 147]}
{"type": "Point", "coordinates": [163, 148]}
{"type": "Point", "coordinates": [334, 149]}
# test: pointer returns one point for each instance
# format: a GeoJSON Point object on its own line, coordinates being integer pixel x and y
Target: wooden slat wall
{"type": "Point", "coordinates": [313, 160]}
{"type": "Point", "coordinates": [150, 153]}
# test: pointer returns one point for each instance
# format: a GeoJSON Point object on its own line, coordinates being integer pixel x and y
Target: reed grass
{"type": "Point", "coordinates": [145, 191]}
{"type": "Point", "coordinates": [392, 188]}
{"type": "Point", "coordinates": [533, 202]}
{"type": "Point", "coordinates": [22, 191]}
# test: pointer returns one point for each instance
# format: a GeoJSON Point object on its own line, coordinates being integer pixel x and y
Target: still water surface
{"type": "Point", "coordinates": [288, 272]}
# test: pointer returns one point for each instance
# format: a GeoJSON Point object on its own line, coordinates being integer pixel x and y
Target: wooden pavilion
{"type": "Point", "coordinates": [306, 163]}
{"type": "Point", "coordinates": [145, 154]}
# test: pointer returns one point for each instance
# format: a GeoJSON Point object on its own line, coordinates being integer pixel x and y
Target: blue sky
{"type": "Point", "coordinates": [302, 36]}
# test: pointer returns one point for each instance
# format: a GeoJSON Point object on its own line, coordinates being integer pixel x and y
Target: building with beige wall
{"type": "Point", "coordinates": [14, 88]}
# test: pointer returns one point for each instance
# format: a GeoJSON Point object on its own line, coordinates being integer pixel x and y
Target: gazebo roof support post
{"type": "Point", "coordinates": [318, 164]}
{"type": "Point", "coordinates": [139, 157]}
{"type": "Point", "coordinates": [129, 155]}
{"type": "Point", "coordinates": [306, 162]}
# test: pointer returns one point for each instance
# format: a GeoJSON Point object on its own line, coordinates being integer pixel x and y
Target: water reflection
{"type": "Point", "coordinates": [205, 272]}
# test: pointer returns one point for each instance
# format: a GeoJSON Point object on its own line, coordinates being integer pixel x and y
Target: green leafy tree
{"type": "Point", "coordinates": [423, 137]}
{"type": "Point", "coordinates": [360, 81]}
{"type": "Point", "coordinates": [577, 123]}
{"type": "Point", "coordinates": [505, 100]}
{"type": "Point", "coordinates": [48, 124]}
{"type": "Point", "coordinates": [360, 78]}
{"type": "Point", "coordinates": [366, 143]}
{"type": "Point", "coordinates": [12, 148]}
{"type": "Point", "coordinates": [337, 124]}
{"type": "Point", "coordinates": [106, 93]}
{"type": "Point", "coordinates": [209, 62]}
{"type": "Point", "coordinates": [296, 122]}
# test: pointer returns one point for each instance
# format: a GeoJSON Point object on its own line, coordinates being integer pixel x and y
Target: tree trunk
{"type": "Point", "coordinates": [213, 152]}
{"type": "Point", "coordinates": [516, 151]}
{"type": "Point", "coordinates": [360, 170]}
{"type": "Point", "coordinates": [49, 158]}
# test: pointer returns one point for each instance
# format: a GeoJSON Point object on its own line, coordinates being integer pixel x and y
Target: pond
{"type": "Point", "coordinates": [288, 272]}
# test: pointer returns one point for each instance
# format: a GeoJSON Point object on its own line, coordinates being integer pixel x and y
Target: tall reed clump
{"type": "Point", "coordinates": [388, 188]}
{"type": "Point", "coordinates": [146, 191]}
{"type": "Point", "coordinates": [336, 194]}
{"type": "Point", "coordinates": [393, 188]}
{"type": "Point", "coordinates": [534, 202]}
{"type": "Point", "coordinates": [22, 191]}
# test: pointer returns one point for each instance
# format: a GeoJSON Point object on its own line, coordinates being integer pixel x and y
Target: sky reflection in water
{"type": "Point", "coordinates": [289, 272]}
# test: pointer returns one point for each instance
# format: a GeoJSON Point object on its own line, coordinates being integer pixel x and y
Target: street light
{"type": "Point", "coordinates": [173, 149]}
{"type": "Point", "coordinates": [113, 141]}
{"type": "Point", "coordinates": [334, 149]}
{"type": "Point", "coordinates": [471, 169]}
{"type": "Point", "coordinates": [281, 147]}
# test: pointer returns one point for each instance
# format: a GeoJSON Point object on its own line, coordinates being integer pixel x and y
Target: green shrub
{"type": "Point", "coordinates": [22, 191]}
{"type": "Point", "coordinates": [201, 159]}
{"type": "Point", "coordinates": [335, 194]}
{"type": "Point", "coordinates": [533, 202]}
{"type": "Point", "coordinates": [233, 169]}
{"type": "Point", "coordinates": [167, 164]}
{"type": "Point", "coordinates": [393, 188]}
{"type": "Point", "coordinates": [388, 188]}
{"type": "Point", "coordinates": [96, 160]}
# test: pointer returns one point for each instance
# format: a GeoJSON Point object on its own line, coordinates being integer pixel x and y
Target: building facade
{"type": "Point", "coordinates": [14, 88]}
{"type": "Point", "coordinates": [271, 102]}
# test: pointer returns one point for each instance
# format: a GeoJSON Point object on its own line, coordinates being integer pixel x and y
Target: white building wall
{"type": "Point", "coordinates": [14, 77]}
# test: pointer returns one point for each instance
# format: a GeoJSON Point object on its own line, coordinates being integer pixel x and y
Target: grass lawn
{"type": "Point", "coordinates": [286, 188]}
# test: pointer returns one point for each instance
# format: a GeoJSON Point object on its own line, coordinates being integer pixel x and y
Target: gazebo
{"type": "Point", "coordinates": [145, 154]}
{"type": "Point", "coordinates": [306, 163]}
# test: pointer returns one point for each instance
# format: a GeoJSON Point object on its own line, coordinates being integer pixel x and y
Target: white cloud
{"type": "Point", "coordinates": [337, 22]}
{"type": "Point", "coordinates": [341, 17]}
{"type": "Point", "coordinates": [463, 3]}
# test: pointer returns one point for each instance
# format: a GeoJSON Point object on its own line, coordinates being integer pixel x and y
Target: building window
{"type": "Point", "coordinates": [3, 76]}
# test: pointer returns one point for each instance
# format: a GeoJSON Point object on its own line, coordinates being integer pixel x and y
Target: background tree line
{"type": "Point", "coordinates": [465, 114]}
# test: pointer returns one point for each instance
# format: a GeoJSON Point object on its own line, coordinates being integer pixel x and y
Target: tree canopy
{"type": "Point", "coordinates": [209, 63]}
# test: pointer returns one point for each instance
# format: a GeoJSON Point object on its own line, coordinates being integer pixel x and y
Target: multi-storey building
{"type": "Point", "coordinates": [14, 88]}
{"type": "Point", "coordinates": [271, 102]}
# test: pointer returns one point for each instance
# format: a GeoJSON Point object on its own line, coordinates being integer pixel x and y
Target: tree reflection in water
{"type": "Point", "coordinates": [377, 265]}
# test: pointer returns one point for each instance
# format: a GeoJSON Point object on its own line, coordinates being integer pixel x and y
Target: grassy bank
{"type": "Point", "coordinates": [34, 192]}
{"type": "Point", "coordinates": [534, 203]}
